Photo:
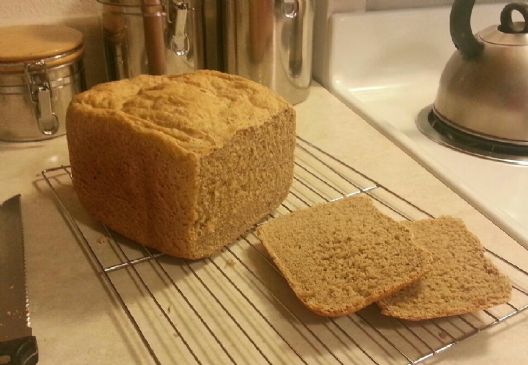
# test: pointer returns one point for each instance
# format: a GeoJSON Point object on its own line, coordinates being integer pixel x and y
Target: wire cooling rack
{"type": "Point", "coordinates": [235, 308]}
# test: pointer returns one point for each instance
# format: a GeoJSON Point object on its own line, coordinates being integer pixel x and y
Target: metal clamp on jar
{"type": "Point", "coordinates": [157, 36]}
{"type": "Point", "coordinates": [270, 42]}
{"type": "Point", "coordinates": [40, 71]}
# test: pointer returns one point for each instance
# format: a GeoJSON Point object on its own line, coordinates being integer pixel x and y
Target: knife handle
{"type": "Point", "coordinates": [22, 351]}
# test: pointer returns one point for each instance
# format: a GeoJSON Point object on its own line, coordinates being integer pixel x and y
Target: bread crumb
{"type": "Point", "coordinates": [230, 263]}
{"type": "Point", "coordinates": [103, 240]}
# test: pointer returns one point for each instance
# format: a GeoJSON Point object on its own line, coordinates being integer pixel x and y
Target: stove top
{"type": "Point", "coordinates": [441, 132]}
{"type": "Point", "coordinates": [386, 65]}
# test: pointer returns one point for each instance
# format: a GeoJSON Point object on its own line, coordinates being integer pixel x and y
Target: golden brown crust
{"type": "Point", "coordinates": [201, 111]}
{"type": "Point", "coordinates": [147, 155]}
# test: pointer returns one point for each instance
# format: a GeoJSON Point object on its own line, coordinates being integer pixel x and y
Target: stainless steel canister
{"type": "Point", "coordinates": [158, 36]}
{"type": "Point", "coordinates": [270, 41]}
{"type": "Point", "coordinates": [40, 71]}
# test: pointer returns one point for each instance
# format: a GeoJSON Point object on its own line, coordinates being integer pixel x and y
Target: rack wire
{"type": "Point", "coordinates": [235, 307]}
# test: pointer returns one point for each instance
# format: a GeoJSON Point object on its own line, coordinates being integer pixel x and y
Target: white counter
{"type": "Point", "coordinates": [75, 320]}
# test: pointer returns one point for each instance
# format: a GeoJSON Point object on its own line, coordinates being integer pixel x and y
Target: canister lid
{"type": "Point", "coordinates": [30, 43]}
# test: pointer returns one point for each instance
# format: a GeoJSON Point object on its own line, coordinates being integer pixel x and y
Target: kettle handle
{"type": "Point", "coordinates": [460, 28]}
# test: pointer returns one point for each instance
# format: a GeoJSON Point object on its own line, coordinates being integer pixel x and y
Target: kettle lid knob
{"type": "Point", "coordinates": [507, 24]}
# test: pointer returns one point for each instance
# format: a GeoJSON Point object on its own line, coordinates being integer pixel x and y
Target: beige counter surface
{"type": "Point", "coordinates": [77, 320]}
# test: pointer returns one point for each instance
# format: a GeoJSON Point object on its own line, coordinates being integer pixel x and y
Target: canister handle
{"type": "Point", "coordinates": [47, 120]}
{"type": "Point", "coordinates": [293, 13]}
{"type": "Point", "coordinates": [39, 89]}
{"type": "Point", "coordinates": [179, 41]}
{"type": "Point", "coordinates": [290, 8]}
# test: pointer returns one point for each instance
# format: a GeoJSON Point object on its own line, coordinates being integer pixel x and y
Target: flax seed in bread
{"type": "Point", "coordinates": [461, 279]}
{"type": "Point", "coordinates": [183, 164]}
{"type": "Point", "coordinates": [341, 256]}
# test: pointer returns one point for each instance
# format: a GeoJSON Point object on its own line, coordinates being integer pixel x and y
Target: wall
{"type": "Point", "coordinates": [27, 11]}
{"type": "Point", "coordinates": [79, 14]}
{"type": "Point", "coordinates": [83, 15]}
{"type": "Point", "coordinates": [325, 8]}
{"type": "Point", "coordinates": [393, 4]}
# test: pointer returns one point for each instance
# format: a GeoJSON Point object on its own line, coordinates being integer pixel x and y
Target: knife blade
{"type": "Point", "coordinates": [17, 345]}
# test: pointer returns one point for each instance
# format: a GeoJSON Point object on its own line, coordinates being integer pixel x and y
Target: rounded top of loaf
{"type": "Point", "coordinates": [201, 110]}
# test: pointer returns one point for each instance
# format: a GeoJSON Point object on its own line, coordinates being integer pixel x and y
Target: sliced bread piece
{"type": "Point", "coordinates": [461, 280]}
{"type": "Point", "coordinates": [342, 256]}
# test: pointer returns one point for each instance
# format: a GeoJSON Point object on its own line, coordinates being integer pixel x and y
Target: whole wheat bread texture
{"type": "Point", "coordinates": [461, 280]}
{"type": "Point", "coordinates": [183, 164]}
{"type": "Point", "coordinates": [342, 256]}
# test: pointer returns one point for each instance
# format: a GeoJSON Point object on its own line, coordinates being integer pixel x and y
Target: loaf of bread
{"type": "Point", "coordinates": [182, 164]}
{"type": "Point", "coordinates": [342, 256]}
{"type": "Point", "coordinates": [461, 279]}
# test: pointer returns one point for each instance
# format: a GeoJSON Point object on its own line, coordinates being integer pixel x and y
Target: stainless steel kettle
{"type": "Point", "coordinates": [484, 86]}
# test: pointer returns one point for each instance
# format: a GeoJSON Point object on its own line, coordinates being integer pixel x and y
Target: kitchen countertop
{"type": "Point", "coordinates": [77, 322]}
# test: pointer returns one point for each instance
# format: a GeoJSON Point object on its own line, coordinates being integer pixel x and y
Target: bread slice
{"type": "Point", "coordinates": [183, 164]}
{"type": "Point", "coordinates": [461, 279]}
{"type": "Point", "coordinates": [341, 256]}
